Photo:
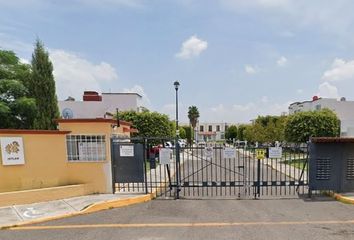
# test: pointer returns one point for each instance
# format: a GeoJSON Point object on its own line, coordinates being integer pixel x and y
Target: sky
{"type": "Point", "coordinates": [234, 59]}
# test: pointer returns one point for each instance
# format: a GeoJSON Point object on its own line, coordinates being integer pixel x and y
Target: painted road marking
{"type": "Point", "coordinates": [32, 213]}
{"type": "Point", "coordinates": [175, 225]}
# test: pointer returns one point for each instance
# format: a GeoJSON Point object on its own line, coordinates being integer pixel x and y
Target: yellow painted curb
{"type": "Point", "coordinates": [90, 209]}
{"type": "Point", "coordinates": [341, 198]}
{"type": "Point", "coordinates": [116, 203]}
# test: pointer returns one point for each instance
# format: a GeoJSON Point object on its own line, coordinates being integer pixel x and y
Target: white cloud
{"type": "Point", "coordinates": [105, 3]}
{"type": "Point", "coordinates": [299, 91]}
{"type": "Point", "coordinates": [236, 113]}
{"type": "Point", "coordinates": [25, 61]}
{"type": "Point", "coordinates": [74, 74]}
{"type": "Point", "coordinates": [93, 3]}
{"type": "Point", "coordinates": [256, 3]}
{"type": "Point", "coordinates": [170, 110]}
{"type": "Point", "coordinates": [8, 42]}
{"type": "Point", "coordinates": [287, 34]}
{"type": "Point", "coordinates": [282, 61]}
{"type": "Point", "coordinates": [251, 69]}
{"type": "Point", "coordinates": [340, 70]}
{"type": "Point", "coordinates": [243, 113]}
{"type": "Point", "coordinates": [331, 16]}
{"type": "Point", "coordinates": [243, 108]}
{"type": "Point", "coordinates": [327, 90]}
{"type": "Point", "coordinates": [192, 47]}
{"type": "Point", "coordinates": [264, 99]}
{"type": "Point", "coordinates": [145, 101]}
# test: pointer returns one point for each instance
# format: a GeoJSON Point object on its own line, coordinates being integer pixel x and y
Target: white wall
{"type": "Point", "coordinates": [97, 109]}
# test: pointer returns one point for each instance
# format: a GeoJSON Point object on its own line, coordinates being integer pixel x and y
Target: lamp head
{"type": "Point", "coordinates": [176, 84]}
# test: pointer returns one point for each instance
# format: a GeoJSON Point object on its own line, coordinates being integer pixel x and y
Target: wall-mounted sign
{"type": "Point", "coordinates": [260, 153]}
{"type": "Point", "coordinates": [229, 153]}
{"type": "Point", "coordinates": [209, 152]}
{"type": "Point", "coordinates": [165, 155]}
{"type": "Point", "coordinates": [126, 151]}
{"type": "Point", "coordinates": [12, 151]}
{"type": "Point", "coordinates": [275, 152]}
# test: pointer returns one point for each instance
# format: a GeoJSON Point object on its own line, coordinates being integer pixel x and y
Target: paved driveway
{"type": "Point", "coordinates": [204, 219]}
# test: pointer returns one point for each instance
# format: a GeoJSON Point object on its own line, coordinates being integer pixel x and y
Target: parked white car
{"type": "Point", "coordinates": [182, 143]}
{"type": "Point", "coordinates": [168, 145]}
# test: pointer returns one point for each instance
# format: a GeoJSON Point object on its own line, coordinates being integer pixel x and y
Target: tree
{"type": "Point", "coordinates": [241, 132]}
{"type": "Point", "coordinates": [149, 124]}
{"type": "Point", "coordinates": [189, 133]}
{"type": "Point", "coordinates": [300, 127]}
{"type": "Point", "coordinates": [17, 109]}
{"type": "Point", "coordinates": [42, 88]}
{"type": "Point", "coordinates": [266, 129]}
{"type": "Point", "coordinates": [182, 133]}
{"type": "Point", "coordinates": [231, 132]}
{"type": "Point", "coordinates": [193, 115]}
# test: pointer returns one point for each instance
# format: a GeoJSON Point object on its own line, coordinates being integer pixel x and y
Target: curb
{"type": "Point", "coordinates": [95, 207]}
{"type": "Point", "coordinates": [341, 198]}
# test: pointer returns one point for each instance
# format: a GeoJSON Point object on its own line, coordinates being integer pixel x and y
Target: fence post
{"type": "Point", "coordinates": [177, 168]}
{"type": "Point", "coordinates": [113, 167]}
{"type": "Point", "coordinates": [145, 168]}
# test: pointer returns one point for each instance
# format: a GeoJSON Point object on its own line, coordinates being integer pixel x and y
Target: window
{"type": "Point", "coordinates": [218, 128]}
{"type": "Point", "coordinates": [86, 148]}
{"type": "Point", "coordinates": [226, 127]}
{"type": "Point", "coordinates": [210, 128]}
{"type": "Point", "coordinates": [201, 128]}
{"type": "Point", "coordinates": [318, 107]}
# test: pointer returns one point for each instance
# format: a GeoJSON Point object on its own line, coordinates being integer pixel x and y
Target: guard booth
{"type": "Point", "coordinates": [332, 164]}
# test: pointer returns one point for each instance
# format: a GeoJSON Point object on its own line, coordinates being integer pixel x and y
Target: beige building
{"type": "Point", "coordinates": [41, 165]}
{"type": "Point", "coordinates": [211, 131]}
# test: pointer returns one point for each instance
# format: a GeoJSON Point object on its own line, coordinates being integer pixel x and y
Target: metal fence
{"type": "Point", "coordinates": [221, 171]}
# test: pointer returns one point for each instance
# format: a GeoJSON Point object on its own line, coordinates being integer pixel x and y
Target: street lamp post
{"type": "Point", "coordinates": [176, 84]}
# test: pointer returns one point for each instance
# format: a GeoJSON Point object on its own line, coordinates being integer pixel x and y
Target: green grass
{"type": "Point", "coordinates": [297, 163]}
{"type": "Point", "coordinates": [147, 166]}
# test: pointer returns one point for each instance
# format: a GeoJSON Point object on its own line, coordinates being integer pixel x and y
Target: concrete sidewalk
{"type": "Point", "coordinates": [44, 211]}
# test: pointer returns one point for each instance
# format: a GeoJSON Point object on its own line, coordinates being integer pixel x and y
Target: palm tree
{"type": "Point", "coordinates": [193, 115]}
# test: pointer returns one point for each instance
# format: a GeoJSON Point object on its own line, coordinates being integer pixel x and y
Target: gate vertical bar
{"type": "Point", "coordinates": [258, 192]}
{"type": "Point", "coordinates": [145, 168]}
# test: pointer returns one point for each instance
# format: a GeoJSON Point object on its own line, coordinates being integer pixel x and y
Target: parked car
{"type": "Point", "coordinates": [182, 143]}
{"type": "Point", "coordinates": [168, 145]}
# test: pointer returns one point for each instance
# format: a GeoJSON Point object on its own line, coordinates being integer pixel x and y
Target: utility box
{"type": "Point", "coordinates": [332, 164]}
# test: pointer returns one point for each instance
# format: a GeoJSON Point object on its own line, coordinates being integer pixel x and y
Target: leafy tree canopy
{"type": "Point", "coordinates": [303, 125]}
{"type": "Point", "coordinates": [231, 132]}
{"type": "Point", "coordinates": [17, 109]}
{"type": "Point", "coordinates": [266, 129]}
{"type": "Point", "coordinates": [189, 133]}
{"type": "Point", "coordinates": [149, 124]}
{"type": "Point", "coordinates": [241, 131]}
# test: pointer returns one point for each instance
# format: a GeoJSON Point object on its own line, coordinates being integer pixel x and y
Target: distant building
{"type": "Point", "coordinates": [343, 108]}
{"type": "Point", "coordinates": [94, 105]}
{"type": "Point", "coordinates": [211, 131]}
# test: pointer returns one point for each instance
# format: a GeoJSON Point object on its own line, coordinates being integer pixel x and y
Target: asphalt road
{"type": "Point", "coordinates": [203, 219]}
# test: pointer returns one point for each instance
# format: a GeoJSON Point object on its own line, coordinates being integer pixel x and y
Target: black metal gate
{"type": "Point", "coordinates": [219, 171]}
